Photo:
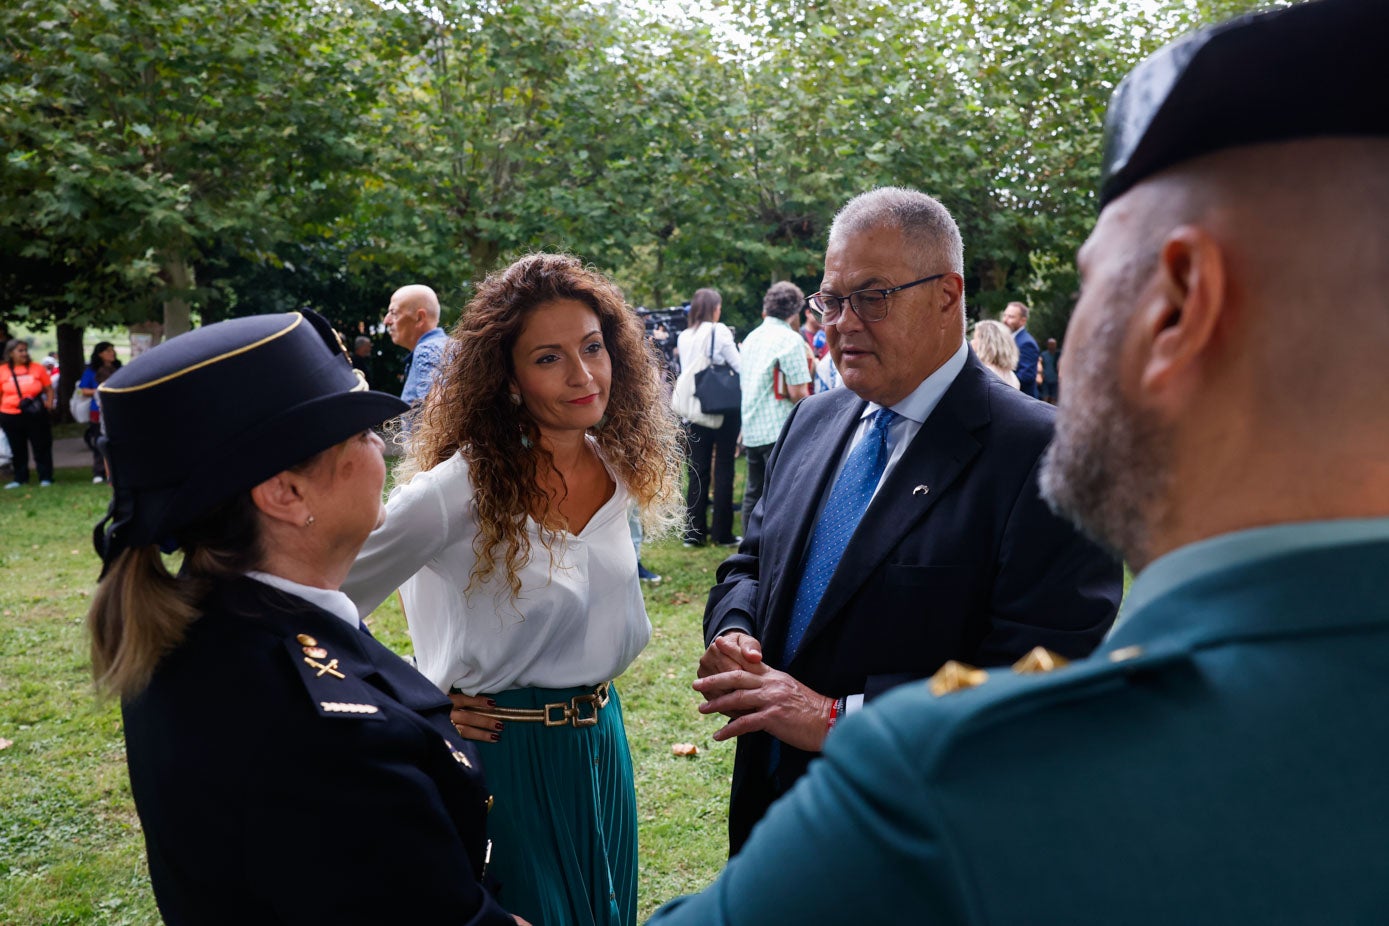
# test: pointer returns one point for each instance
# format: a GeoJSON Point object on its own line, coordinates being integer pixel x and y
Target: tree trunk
{"type": "Point", "coordinates": [71, 361]}
{"type": "Point", "coordinates": [179, 276]}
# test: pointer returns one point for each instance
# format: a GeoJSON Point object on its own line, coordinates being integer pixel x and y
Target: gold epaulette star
{"type": "Point", "coordinates": [1039, 659]}
{"type": "Point", "coordinates": [956, 676]}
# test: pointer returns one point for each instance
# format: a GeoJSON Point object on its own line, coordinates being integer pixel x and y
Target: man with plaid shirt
{"type": "Point", "coordinates": [776, 375]}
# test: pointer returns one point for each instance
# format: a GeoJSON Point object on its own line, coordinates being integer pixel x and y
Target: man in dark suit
{"type": "Point", "coordinates": [1015, 317]}
{"type": "Point", "coordinates": [1221, 758]}
{"type": "Point", "coordinates": [955, 555]}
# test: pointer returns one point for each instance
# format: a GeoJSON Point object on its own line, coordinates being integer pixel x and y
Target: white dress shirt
{"type": "Point", "coordinates": [329, 599]}
{"type": "Point", "coordinates": [579, 620]}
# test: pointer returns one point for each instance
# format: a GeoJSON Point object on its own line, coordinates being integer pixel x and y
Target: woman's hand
{"type": "Point", "coordinates": [519, 921]}
{"type": "Point", "coordinates": [471, 725]}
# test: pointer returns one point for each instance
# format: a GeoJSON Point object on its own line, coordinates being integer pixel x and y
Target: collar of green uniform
{"type": "Point", "coordinates": [1285, 578]}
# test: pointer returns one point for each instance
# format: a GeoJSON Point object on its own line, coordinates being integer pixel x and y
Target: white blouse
{"type": "Point", "coordinates": [695, 340]}
{"type": "Point", "coordinates": [579, 620]}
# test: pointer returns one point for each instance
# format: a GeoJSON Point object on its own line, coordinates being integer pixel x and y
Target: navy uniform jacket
{"type": "Point", "coordinates": [271, 792]}
{"type": "Point", "coordinates": [1223, 758]}
{"type": "Point", "coordinates": [957, 557]}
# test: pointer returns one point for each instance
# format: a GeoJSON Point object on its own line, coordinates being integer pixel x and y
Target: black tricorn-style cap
{"type": "Point", "coordinates": [214, 412]}
{"type": "Point", "coordinates": [1311, 70]}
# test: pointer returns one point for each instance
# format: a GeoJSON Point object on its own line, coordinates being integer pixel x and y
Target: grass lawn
{"type": "Point", "coordinates": [70, 844]}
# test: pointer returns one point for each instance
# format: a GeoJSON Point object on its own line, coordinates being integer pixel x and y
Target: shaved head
{"type": "Point", "coordinates": [1229, 346]}
{"type": "Point", "coordinates": [413, 312]}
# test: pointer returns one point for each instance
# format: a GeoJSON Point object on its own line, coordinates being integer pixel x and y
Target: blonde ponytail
{"type": "Point", "coordinates": [141, 611]}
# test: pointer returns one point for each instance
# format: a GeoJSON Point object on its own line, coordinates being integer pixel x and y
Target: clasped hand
{"type": "Point", "coordinates": [736, 682]}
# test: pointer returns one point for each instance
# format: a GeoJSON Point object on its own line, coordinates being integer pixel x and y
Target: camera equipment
{"type": "Point", "coordinates": [662, 328]}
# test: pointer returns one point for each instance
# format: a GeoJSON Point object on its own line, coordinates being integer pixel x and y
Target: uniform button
{"type": "Point", "coordinates": [306, 640]}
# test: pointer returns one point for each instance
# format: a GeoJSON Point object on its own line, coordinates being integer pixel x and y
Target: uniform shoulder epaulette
{"type": "Point", "coordinates": [334, 691]}
{"type": "Point", "coordinates": [958, 676]}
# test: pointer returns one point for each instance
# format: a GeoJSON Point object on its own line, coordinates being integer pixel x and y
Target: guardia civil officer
{"type": "Point", "coordinates": [287, 767]}
{"type": "Point", "coordinates": [1222, 757]}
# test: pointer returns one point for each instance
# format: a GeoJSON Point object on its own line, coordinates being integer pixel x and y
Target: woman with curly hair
{"type": "Point", "coordinates": [510, 545]}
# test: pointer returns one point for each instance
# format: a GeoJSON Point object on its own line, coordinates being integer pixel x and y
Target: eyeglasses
{"type": "Point", "coordinates": [868, 304]}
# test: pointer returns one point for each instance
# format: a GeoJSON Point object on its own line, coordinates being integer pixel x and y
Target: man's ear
{"type": "Point", "coordinates": [952, 286]}
{"type": "Point", "coordinates": [281, 497]}
{"type": "Point", "coordinates": [1178, 323]}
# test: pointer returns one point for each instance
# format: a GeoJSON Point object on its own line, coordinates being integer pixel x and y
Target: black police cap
{"type": "Point", "coordinates": [212, 413]}
{"type": "Point", "coordinates": [1307, 71]}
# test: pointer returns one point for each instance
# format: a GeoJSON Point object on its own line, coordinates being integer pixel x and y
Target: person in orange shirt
{"type": "Point", "coordinates": [26, 395]}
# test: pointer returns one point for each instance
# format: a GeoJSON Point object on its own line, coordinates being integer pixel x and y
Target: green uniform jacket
{"type": "Point", "coordinates": [1223, 758]}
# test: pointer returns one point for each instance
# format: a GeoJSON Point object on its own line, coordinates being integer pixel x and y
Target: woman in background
{"type": "Point", "coordinates": [712, 439]}
{"type": "Point", "coordinates": [508, 538]}
{"type": "Point", "coordinates": [996, 349]}
{"type": "Point", "coordinates": [26, 395]}
{"type": "Point", "coordinates": [98, 371]}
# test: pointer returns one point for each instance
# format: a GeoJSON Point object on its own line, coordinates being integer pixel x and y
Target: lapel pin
{"type": "Point", "coordinates": [331, 668]}
{"type": "Point", "coordinates": [920, 490]}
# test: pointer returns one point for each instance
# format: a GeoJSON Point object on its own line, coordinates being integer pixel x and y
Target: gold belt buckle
{"type": "Point", "coordinates": [565, 712]}
{"type": "Point", "coordinates": [579, 719]}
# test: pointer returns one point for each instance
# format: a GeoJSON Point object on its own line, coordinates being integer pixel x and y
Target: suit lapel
{"type": "Point", "coordinates": [928, 470]}
{"type": "Point", "coordinates": [811, 468]}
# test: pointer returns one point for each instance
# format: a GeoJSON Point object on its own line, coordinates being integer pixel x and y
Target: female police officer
{"type": "Point", "coordinates": [285, 765]}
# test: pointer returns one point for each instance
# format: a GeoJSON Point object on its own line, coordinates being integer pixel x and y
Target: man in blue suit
{"type": "Point", "coordinates": [1015, 317]}
{"type": "Point", "coordinates": [854, 578]}
{"type": "Point", "coordinates": [1221, 758]}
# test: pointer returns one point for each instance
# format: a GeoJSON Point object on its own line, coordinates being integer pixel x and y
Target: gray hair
{"type": "Point", "coordinates": [783, 300]}
{"type": "Point", "coordinates": [924, 221]}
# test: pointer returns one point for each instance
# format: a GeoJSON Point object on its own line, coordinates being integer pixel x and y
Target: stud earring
{"type": "Point", "coordinates": [308, 522]}
{"type": "Point", "coordinates": [516, 398]}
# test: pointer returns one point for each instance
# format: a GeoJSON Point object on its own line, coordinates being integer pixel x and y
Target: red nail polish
{"type": "Point", "coordinates": [491, 703]}
{"type": "Point", "coordinates": [498, 727]}
{"type": "Point", "coordinates": [495, 737]}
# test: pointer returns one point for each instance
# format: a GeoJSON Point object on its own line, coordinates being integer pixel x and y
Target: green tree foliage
{"type": "Point", "coordinates": [252, 157]}
{"type": "Point", "coordinates": [140, 137]}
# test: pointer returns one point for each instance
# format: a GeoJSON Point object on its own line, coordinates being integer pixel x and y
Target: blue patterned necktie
{"type": "Point", "coordinates": [844, 508]}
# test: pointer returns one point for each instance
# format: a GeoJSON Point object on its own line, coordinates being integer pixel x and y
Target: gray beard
{"type": "Point", "coordinates": [1104, 470]}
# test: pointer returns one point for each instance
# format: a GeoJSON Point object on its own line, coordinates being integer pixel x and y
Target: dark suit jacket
{"type": "Point", "coordinates": [1219, 760]}
{"type": "Point", "coordinates": [272, 793]}
{"type": "Point", "coordinates": [1028, 353]}
{"type": "Point", "coordinates": [957, 557]}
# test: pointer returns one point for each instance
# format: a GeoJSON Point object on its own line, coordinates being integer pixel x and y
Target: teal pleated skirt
{"type": "Point", "coordinates": [564, 823]}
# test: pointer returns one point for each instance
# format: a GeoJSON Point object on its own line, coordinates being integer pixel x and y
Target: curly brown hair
{"type": "Point", "coordinates": [469, 410]}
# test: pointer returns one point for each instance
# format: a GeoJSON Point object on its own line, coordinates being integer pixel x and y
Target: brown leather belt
{"type": "Point", "coordinates": [578, 711]}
